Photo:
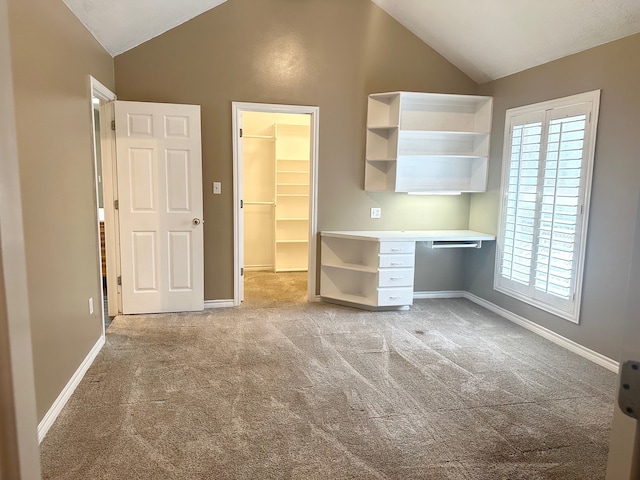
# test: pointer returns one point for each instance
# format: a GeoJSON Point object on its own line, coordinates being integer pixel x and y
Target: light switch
{"type": "Point", "coordinates": [217, 188]}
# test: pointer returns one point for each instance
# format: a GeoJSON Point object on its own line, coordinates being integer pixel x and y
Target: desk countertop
{"type": "Point", "coordinates": [412, 235]}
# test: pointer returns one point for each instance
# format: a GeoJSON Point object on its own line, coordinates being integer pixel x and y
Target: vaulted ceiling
{"type": "Point", "coordinates": [487, 39]}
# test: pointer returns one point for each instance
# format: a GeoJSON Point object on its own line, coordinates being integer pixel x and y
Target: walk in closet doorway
{"type": "Point", "coordinates": [274, 153]}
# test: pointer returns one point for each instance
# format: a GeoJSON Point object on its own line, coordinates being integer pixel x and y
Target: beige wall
{"type": "Point", "coordinates": [616, 186]}
{"type": "Point", "coordinates": [329, 53]}
{"type": "Point", "coordinates": [19, 452]}
{"type": "Point", "coordinates": [52, 57]}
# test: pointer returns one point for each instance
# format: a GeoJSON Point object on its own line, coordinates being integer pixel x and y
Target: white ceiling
{"type": "Point", "coordinates": [120, 25]}
{"type": "Point", "coordinates": [490, 39]}
{"type": "Point", "coordinates": [487, 39]}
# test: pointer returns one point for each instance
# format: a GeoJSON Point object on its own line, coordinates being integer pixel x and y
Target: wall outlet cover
{"type": "Point", "coordinates": [376, 212]}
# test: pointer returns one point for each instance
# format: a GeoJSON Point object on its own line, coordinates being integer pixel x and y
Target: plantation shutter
{"type": "Point", "coordinates": [546, 181]}
{"type": "Point", "coordinates": [522, 187]}
{"type": "Point", "coordinates": [561, 203]}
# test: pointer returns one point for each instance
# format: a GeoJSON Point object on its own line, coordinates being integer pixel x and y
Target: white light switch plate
{"type": "Point", "coordinates": [376, 212]}
{"type": "Point", "coordinates": [217, 188]}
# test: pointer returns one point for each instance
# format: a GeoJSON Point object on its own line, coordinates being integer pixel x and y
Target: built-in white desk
{"type": "Point", "coordinates": [375, 269]}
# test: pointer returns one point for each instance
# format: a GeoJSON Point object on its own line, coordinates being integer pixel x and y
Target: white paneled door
{"type": "Point", "coordinates": [159, 169]}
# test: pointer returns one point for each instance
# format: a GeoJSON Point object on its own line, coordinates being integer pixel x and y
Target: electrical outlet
{"type": "Point", "coordinates": [91, 306]}
{"type": "Point", "coordinates": [376, 212]}
{"type": "Point", "coordinates": [217, 188]}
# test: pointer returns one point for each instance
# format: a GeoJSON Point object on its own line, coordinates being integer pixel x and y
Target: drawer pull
{"type": "Point", "coordinates": [397, 263]}
{"type": "Point", "coordinates": [395, 278]}
{"type": "Point", "coordinates": [395, 297]}
{"type": "Point", "coordinates": [397, 249]}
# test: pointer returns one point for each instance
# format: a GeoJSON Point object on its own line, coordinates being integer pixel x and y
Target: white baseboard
{"type": "Point", "coordinates": [218, 303]}
{"type": "Point", "coordinates": [51, 416]}
{"type": "Point", "coordinates": [258, 268]}
{"type": "Point", "coordinates": [570, 345]}
{"type": "Point", "coordinates": [439, 294]}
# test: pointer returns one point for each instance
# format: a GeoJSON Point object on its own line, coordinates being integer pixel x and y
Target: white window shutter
{"type": "Point", "coordinates": [546, 182]}
{"type": "Point", "coordinates": [521, 201]}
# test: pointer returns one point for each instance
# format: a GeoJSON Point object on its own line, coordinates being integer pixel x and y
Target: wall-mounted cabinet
{"type": "Point", "coordinates": [427, 142]}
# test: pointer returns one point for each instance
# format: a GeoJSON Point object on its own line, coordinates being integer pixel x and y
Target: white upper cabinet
{"type": "Point", "coordinates": [427, 142]}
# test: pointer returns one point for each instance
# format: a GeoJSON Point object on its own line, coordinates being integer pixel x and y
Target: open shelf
{"type": "Point", "coordinates": [424, 142]}
{"type": "Point", "coordinates": [293, 150]}
{"type": "Point", "coordinates": [259, 137]}
{"type": "Point", "coordinates": [352, 266]}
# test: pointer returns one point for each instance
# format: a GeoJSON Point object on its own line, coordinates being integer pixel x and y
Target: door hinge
{"type": "Point", "coordinates": [240, 133]}
{"type": "Point", "coordinates": [116, 204]}
{"type": "Point", "coordinates": [113, 125]}
{"type": "Point", "coordinates": [119, 280]}
{"type": "Point", "coordinates": [242, 272]}
{"type": "Point", "coordinates": [629, 392]}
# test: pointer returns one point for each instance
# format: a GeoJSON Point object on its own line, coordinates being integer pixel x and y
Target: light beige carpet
{"type": "Point", "coordinates": [267, 289]}
{"type": "Point", "coordinates": [446, 390]}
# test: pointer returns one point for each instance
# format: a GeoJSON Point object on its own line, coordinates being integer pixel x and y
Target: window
{"type": "Point", "coordinates": [546, 181]}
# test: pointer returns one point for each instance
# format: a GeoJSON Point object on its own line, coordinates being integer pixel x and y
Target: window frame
{"type": "Point", "coordinates": [568, 309]}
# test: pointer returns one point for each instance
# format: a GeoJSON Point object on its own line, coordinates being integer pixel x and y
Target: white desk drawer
{"type": "Point", "coordinates": [397, 247]}
{"type": "Point", "coordinates": [402, 277]}
{"type": "Point", "coordinates": [397, 261]}
{"type": "Point", "coordinates": [395, 296]}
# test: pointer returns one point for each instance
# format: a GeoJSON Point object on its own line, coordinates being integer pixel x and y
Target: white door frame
{"type": "Point", "coordinates": [237, 108]}
{"type": "Point", "coordinates": [624, 439]}
{"type": "Point", "coordinates": [109, 174]}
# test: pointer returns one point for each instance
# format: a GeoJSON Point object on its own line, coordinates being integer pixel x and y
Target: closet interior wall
{"type": "Point", "coordinates": [276, 159]}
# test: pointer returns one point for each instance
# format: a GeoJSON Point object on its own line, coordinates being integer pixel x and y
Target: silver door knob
{"type": "Point", "coordinates": [196, 221]}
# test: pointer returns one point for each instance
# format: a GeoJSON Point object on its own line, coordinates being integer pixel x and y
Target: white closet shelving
{"type": "Point", "coordinates": [427, 142]}
{"type": "Point", "coordinates": [292, 150]}
{"type": "Point", "coordinates": [259, 196]}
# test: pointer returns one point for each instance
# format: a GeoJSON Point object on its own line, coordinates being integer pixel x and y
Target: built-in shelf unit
{"type": "Point", "coordinates": [375, 269]}
{"type": "Point", "coordinates": [427, 142]}
{"type": "Point", "coordinates": [367, 272]}
{"type": "Point", "coordinates": [293, 151]}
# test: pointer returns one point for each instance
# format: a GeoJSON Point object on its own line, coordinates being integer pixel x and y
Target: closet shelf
{"type": "Point", "coordinates": [292, 148]}
{"type": "Point", "coordinates": [248, 202]}
{"type": "Point", "coordinates": [260, 137]}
